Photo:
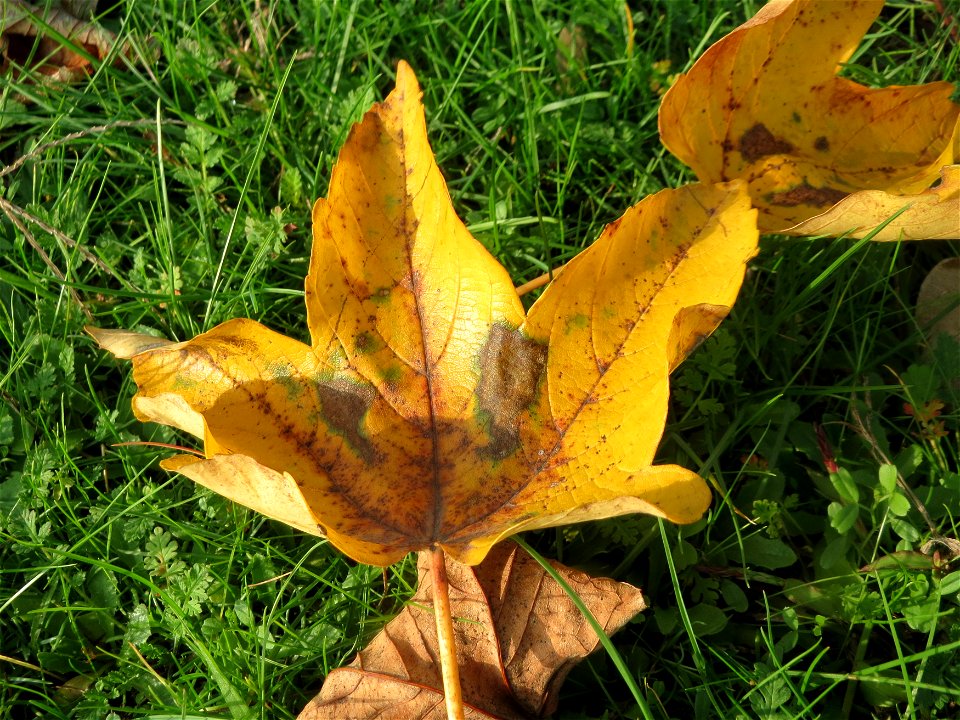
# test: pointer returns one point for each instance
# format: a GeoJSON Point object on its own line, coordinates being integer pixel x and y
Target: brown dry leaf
{"type": "Point", "coordinates": [933, 214]}
{"type": "Point", "coordinates": [517, 636]}
{"type": "Point", "coordinates": [938, 304]}
{"type": "Point", "coordinates": [764, 104]}
{"type": "Point", "coordinates": [571, 50]}
{"type": "Point", "coordinates": [22, 23]}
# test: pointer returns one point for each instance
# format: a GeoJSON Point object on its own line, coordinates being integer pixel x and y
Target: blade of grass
{"type": "Point", "coordinates": [604, 639]}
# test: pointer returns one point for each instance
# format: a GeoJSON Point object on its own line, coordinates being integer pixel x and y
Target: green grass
{"type": "Point", "coordinates": [182, 198]}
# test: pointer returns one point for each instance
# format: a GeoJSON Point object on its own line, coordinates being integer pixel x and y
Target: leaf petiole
{"type": "Point", "coordinates": [449, 669]}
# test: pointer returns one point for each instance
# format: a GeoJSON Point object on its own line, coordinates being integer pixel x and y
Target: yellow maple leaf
{"type": "Point", "coordinates": [429, 411]}
{"type": "Point", "coordinates": [764, 103]}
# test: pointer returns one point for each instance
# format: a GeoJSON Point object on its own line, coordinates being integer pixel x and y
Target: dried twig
{"type": "Point", "coordinates": [40, 149]}
{"type": "Point", "coordinates": [11, 210]}
{"type": "Point", "coordinates": [15, 219]}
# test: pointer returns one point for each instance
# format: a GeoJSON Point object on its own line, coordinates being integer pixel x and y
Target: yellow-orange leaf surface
{"type": "Point", "coordinates": [933, 214]}
{"type": "Point", "coordinates": [764, 104]}
{"type": "Point", "coordinates": [428, 410]}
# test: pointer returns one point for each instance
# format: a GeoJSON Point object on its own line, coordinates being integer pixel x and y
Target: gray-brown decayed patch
{"type": "Point", "coordinates": [758, 142]}
{"type": "Point", "coordinates": [510, 370]}
{"type": "Point", "coordinates": [343, 407]}
{"type": "Point", "coordinates": [805, 194]}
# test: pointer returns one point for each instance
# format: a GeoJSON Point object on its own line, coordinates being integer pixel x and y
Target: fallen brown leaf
{"type": "Point", "coordinates": [29, 38]}
{"type": "Point", "coordinates": [938, 304]}
{"type": "Point", "coordinates": [517, 634]}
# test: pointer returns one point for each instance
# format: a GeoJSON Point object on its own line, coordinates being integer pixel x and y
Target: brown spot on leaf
{"type": "Point", "coordinates": [805, 194]}
{"type": "Point", "coordinates": [510, 370]}
{"type": "Point", "coordinates": [239, 345]}
{"type": "Point", "coordinates": [343, 407]}
{"type": "Point", "coordinates": [821, 144]}
{"type": "Point", "coordinates": [758, 142]}
{"type": "Point", "coordinates": [366, 342]}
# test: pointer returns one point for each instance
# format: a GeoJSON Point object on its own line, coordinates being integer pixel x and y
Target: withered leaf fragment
{"type": "Point", "coordinates": [428, 410]}
{"type": "Point", "coordinates": [933, 214]}
{"type": "Point", "coordinates": [28, 38]}
{"type": "Point", "coordinates": [518, 635]}
{"type": "Point", "coordinates": [938, 304]}
{"type": "Point", "coordinates": [765, 104]}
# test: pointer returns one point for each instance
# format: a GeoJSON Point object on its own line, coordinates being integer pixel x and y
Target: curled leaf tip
{"type": "Point", "coordinates": [124, 344]}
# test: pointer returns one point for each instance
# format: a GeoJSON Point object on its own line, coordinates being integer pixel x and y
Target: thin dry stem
{"type": "Point", "coordinates": [9, 210]}
{"type": "Point", "coordinates": [449, 669]}
{"type": "Point", "coordinates": [40, 149]}
{"type": "Point", "coordinates": [537, 282]}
